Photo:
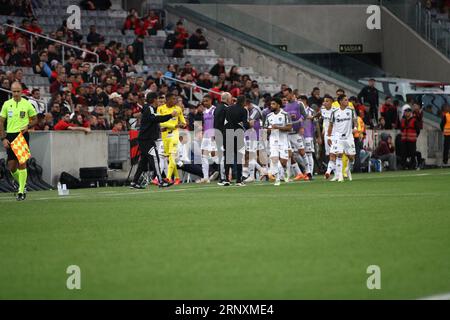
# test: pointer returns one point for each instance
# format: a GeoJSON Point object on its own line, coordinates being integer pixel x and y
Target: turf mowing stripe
{"type": "Point", "coordinates": [444, 296]}
{"type": "Point", "coordinates": [195, 187]}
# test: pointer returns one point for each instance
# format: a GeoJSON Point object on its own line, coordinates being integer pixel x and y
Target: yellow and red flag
{"type": "Point", "coordinates": [21, 149]}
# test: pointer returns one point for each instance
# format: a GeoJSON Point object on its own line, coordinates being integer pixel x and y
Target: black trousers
{"type": "Point", "coordinates": [446, 149]}
{"type": "Point", "coordinates": [373, 111]}
{"type": "Point", "coordinates": [409, 151]}
{"type": "Point", "coordinates": [232, 152]}
{"type": "Point", "coordinates": [149, 160]}
{"type": "Point", "coordinates": [220, 154]}
{"type": "Point", "coordinates": [358, 147]}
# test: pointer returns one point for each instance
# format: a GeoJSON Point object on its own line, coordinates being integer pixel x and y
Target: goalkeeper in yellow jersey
{"type": "Point", "coordinates": [170, 135]}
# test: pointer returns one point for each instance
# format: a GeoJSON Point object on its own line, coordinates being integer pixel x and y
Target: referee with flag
{"type": "Point", "coordinates": [20, 116]}
{"type": "Point", "coordinates": [148, 134]}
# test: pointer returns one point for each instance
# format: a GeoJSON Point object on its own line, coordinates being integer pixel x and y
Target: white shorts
{"type": "Point", "coordinates": [279, 151]}
{"type": "Point", "coordinates": [208, 144]}
{"type": "Point", "coordinates": [251, 145]}
{"type": "Point", "coordinates": [343, 146]}
{"type": "Point", "coordinates": [309, 145]}
{"type": "Point", "coordinates": [160, 147]}
{"type": "Point", "coordinates": [296, 141]}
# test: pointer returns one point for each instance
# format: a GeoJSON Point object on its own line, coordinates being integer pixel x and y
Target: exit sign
{"type": "Point", "coordinates": [281, 47]}
{"type": "Point", "coordinates": [350, 48]}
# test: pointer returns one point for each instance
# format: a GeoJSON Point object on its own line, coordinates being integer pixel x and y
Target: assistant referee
{"type": "Point", "coordinates": [148, 134]}
{"type": "Point", "coordinates": [20, 116]}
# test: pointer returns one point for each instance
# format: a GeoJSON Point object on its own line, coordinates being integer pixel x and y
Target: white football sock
{"type": "Point", "coordinates": [205, 166]}
{"type": "Point", "coordinates": [338, 171]}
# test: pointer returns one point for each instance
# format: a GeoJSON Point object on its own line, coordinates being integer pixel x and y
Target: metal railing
{"type": "Point", "coordinates": [64, 44]}
{"type": "Point", "coordinates": [192, 87]}
{"type": "Point", "coordinates": [28, 98]}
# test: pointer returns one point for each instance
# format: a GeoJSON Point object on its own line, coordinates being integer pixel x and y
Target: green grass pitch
{"type": "Point", "coordinates": [307, 240]}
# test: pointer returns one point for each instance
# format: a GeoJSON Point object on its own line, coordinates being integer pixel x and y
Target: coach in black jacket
{"type": "Point", "coordinates": [219, 126]}
{"type": "Point", "coordinates": [236, 118]}
{"type": "Point", "coordinates": [148, 133]}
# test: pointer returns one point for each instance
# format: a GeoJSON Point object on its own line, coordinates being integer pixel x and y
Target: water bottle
{"type": "Point", "coordinates": [60, 191]}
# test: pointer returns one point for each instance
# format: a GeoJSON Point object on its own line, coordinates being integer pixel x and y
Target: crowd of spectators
{"type": "Point", "coordinates": [439, 9]}
{"type": "Point", "coordinates": [18, 8]}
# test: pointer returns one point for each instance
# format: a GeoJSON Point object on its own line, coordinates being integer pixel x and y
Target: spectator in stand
{"type": "Point", "coordinates": [41, 67]}
{"type": "Point", "coordinates": [58, 84]}
{"type": "Point", "coordinates": [4, 96]}
{"type": "Point", "coordinates": [67, 124]}
{"type": "Point", "coordinates": [197, 40]}
{"type": "Point", "coordinates": [95, 4]}
{"type": "Point", "coordinates": [188, 70]}
{"type": "Point", "coordinates": [255, 94]}
{"type": "Point", "coordinates": [386, 151]}
{"type": "Point", "coordinates": [218, 68]}
{"type": "Point", "coordinates": [389, 113]}
{"type": "Point", "coordinates": [181, 36]}
{"type": "Point", "coordinates": [93, 36]}
{"type": "Point", "coordinates": [418, 114]}
{"type": "Point", "coordinates": [18, 76]}
{"type": "Point", "coordinates": [104, 54]}
{"type": "Point", "coordinates": [381, 124]}
{"type": "Point", "coordinates": [204, 80]}
{"type": "Point", "coordinates": [35, 27]}
{"type": "Point", "coordinates": [150, 24]}
{"type": "Point", "coordinates": [36, 102]}
{"type": "Point", "coordinates": [234, 74]}
{"type": "Point", "coordinates": [41, 124]}
{"type": "Point", "coordinates": [53, 53]}
{"type": "Point", "coordinates": [19, 56]}
{"type": "Point", "coordinates": [138, 48]}
{"type": "Point", "coordinates": [369, 94]}
{"type": "Point", "coordinates": [117, 126]}
{"type": "Point", "coordinates": [21, 8]}
{"type": "Point", "coordinates": [315, 98]}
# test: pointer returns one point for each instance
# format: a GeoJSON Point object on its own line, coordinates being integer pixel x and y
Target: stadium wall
{"type": "Point", "coordinates": [305, 28]}
{"type": "Point", "coordinates": [406, 54]}
{"type": "Point", "coordinates": [58, 151]}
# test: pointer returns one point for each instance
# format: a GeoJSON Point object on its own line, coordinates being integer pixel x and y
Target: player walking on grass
{"type": "Point", "coordinates": [20, 116]}
{"type": "Point", "coordinates": [343, 124]}
{"type": "Point", "coordinates": [326, 112]}
{"type": "Point", "coordinates": [278, 125]}
{"type": "Point", "coordinates": [296, 113]}
{"type": "Point", "coordinates": [170, 134]}
{"type": "Point", "coordinates": [208, 145]}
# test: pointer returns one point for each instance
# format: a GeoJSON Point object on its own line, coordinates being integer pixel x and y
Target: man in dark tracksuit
{"type": "Point", "coordinates": [236, 117]}
{"type": "Point", "coordinates": [148, 133]}
{"type": "Point", "coordinates": [219, 126]}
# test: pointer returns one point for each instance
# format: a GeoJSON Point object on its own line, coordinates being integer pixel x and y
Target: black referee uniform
{"type": "Point", "coordinates": [148, 134]}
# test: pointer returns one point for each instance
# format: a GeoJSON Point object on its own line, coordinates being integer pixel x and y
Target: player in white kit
{"type": "Point", "coordinates": [325, 112]}
{"type": "Point", "coordinates": [278, 125]}
{"type": "Point", "coordinates": [343, 123]}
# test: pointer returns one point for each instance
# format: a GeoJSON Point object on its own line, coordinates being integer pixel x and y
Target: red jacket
{"type": "Point", "coordinates": [409, 128]}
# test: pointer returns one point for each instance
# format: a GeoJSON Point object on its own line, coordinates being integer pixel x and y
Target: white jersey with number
{"type": "Point", "coordinates": [343, 123]}
{"type": "Point", "coordinates": [326, 116]}
{"type": "Point", "coordinates": [281, 119]}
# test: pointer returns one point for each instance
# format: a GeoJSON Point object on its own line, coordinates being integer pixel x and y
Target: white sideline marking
{"type": "Point", "coordinates": [443, 296]}
{"type": "Point", "coordinates": [193, 188]}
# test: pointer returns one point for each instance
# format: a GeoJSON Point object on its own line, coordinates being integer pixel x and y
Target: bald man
{"type": "Point", "coordinates": [21, 116]}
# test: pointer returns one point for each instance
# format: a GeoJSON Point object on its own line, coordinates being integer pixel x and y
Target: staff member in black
{"type": "Point", "coordinates": [236, 118]}
{"type": "Point", "coordinates": [219, 126]}
{"type": "Point", "coordinates": [148, 133]}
